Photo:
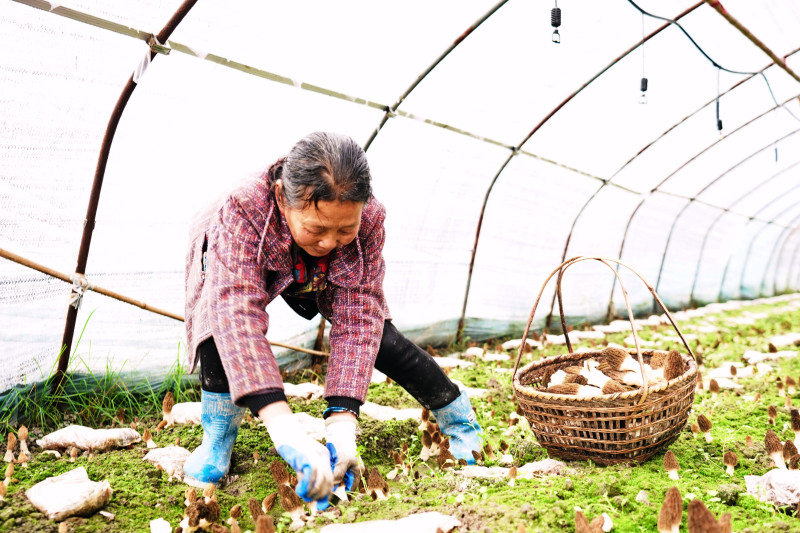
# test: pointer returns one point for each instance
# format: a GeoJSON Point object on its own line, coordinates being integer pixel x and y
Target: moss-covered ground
{"type": "Point", "coordinates": [143, 493]}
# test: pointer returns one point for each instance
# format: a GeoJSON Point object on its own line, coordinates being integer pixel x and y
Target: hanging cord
{"type": "Point", "coordinates": [675, 23]}
{"type": "Point", "coordinates": [643, 82]}
{"type": "Point", "coordinates": [719, 121]}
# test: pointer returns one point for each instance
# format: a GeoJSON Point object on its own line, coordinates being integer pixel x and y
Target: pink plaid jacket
{"type": "Point", "coordinates": [249, 264]}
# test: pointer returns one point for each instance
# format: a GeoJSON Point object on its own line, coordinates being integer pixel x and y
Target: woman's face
{"type": "Point", "coordinates": [321, 228]}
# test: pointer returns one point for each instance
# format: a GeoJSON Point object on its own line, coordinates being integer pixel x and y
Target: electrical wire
{"type": "Point", "coordinates": [720, 67]}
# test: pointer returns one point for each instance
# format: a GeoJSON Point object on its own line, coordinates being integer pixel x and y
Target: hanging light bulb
{"type": "Point", "coordinates": [555, 21]}
{"type": "Point", "coordinates": [643, 88]}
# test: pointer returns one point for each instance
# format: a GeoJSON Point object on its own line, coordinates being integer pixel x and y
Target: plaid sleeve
{"type": "Point", "coordinates": [357, 320]}
{"type": "Point", "coordinates": [239, 318]}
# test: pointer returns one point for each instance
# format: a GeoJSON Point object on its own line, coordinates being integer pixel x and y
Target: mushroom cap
{"type": "Point", "coordinates": [255, 509]}
{"type": "Point", "coordinates": [795, 416]}
{"type": "Point", "coordinates": [264, 524]}
{"type": "Point", "coordinates": [191, 495]}
{"type": "Point", "coordinates": [168, 403]}
{"type": "Point", "coordinates": [564, 388]}
{"type": "Point", "coordinates": [614, 356]}
{"type": "Point", "coordinates": [701, 519]}
{"type": "Point", "coordinates": [581, 523]}
{"type": "Point", "coordinates": [671, 511]}
{"type": "Point", "coordinates": [192, 515]}
{"type": "Point", "coordinates": [445, 459]}
{"type": "Point", "coordinates": [789, 450]}
{"type": "Point", "coordinates": [218, 528]}
{"type": "Point", "coordinates": [427, 440]}
{"type": "Point", "coordinates": [704, 423]}
{"type": "Point", "coordinates": [790, 381]}
{"type": "Point", "coordinates": [576, 378]}
{"type": "Point", "coordinates": [375, 480]}
{"type": "Point", "coordinates": [673, 367]}
{"type": "Point", "coordinates": [658, 359]}
{"type": "Point", "coordinates": [725, 523]}
{"type": "Point", "coordinates": [22, 433]}
{"type": "Point", "coordinates": [213, 511]}
{"type": "Point", "coordinates": [512, 472]}
{"type": "Point", "coordinates": [713, 385]}
{"type": "Point", "coordinates": [772, 442]}
{"type": "Point", "coordinates": [269, 502]}
{"type": "Point", "coordinates": [208, 491]}
{"type": "Point", "coordinates": [730, 459]}
{"type": "Point", "coordinates": [236, 511]}
{"type": "Point", "coordinates": [396, 460]}
{"type": "Point", "coordinates": [772, 411]}
{"type": "Point", "coordinates": [146, 436]}
{"type": "Point", "coordinates": [670, 461]}
{"type": "Point", "coordinates": [279, 472]}
{"type": "Point", "coordinates": [733, 370]}
{"type": "Point", "coordinates": [290, 501]}
{"type": "Point", "coordinates": [794, 462]}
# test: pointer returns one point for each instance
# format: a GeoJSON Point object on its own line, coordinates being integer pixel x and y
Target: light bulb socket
{"type": "Point", "coordinates": [643, 85]}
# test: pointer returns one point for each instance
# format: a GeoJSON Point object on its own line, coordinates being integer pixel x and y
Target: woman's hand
{"type": "Point", "coordinates": [310, 459]}
{"type": "Point", "coordinates": [340, 435]}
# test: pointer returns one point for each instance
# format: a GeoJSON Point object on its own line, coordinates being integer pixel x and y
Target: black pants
{"type": "Point", "coordinates": [399, 358]}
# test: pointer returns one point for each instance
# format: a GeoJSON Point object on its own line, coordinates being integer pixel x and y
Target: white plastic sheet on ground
{"type": "Point", "coordinates": [69, 494]}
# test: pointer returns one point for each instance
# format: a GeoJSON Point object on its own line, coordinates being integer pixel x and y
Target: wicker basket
{"type": "Point", "coordinates": [627, 427]}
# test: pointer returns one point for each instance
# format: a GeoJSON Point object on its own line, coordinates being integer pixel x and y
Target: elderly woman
{"type": "Point", "coordinates": [308, 230]}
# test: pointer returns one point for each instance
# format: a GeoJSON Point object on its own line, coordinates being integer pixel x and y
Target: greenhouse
{"type": "Point", "coordinates": [560, 180]}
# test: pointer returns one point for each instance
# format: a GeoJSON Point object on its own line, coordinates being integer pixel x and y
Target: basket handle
{"type": "Point", "coordinates": [560, 270]}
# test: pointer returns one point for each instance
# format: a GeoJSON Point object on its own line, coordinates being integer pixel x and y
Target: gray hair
{"type": "Point", "coordinates": [325, 167]}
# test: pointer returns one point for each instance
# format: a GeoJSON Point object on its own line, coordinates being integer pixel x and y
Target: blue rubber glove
{"type": "Point", "coordinates": [340, 436]}
{"type": "Point", "coordinates": [309, 458]}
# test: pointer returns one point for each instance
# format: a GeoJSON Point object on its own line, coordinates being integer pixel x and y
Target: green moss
{"type": "Point", "coordinates": [143, 493]}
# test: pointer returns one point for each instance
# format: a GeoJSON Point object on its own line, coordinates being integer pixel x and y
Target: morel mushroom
{"type": "Point", "coordinates": [730, 460]}
{"type": "Point", "coordinates": [705, 426]}
{"type": "Point", "coordinates": [772, 414]}
{"type": "Point", "coordinates": [671, 513]}
{"type": "Point", "coordinates": [774, 448]}
{"type": "Point", "coordinates": [671, 464]}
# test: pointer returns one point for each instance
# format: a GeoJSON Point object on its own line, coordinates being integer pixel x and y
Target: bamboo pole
{"type": "Point", "coordinates": [11, 256]}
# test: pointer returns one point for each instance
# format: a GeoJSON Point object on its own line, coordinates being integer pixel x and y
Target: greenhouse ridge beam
{"type": "Point", "coordinates": [80, 16]}
{"type": "Point", "coordinates": [285, 80]}
{"type": "Point", "coordinates": [94, 197]}
{"type": "Point", "coordinates": [462, 318]}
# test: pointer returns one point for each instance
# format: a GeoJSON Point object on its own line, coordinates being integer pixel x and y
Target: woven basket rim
{"type": "Point", "coordinates": [530, 391]}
